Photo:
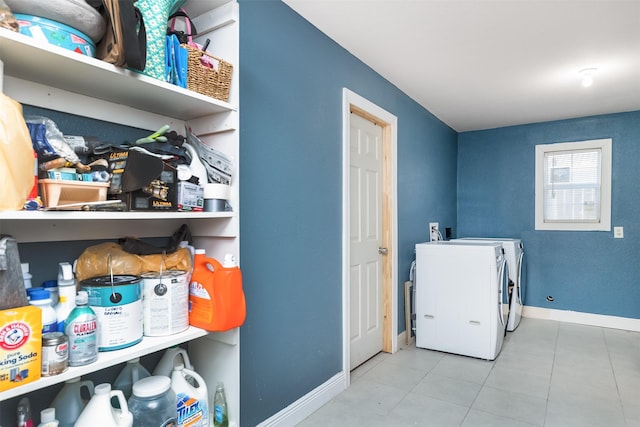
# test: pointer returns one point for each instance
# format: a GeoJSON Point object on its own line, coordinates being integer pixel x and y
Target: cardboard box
{"type": "Point", "coordinates": [161, 194]}
{"type": "Point", "coordinates": [117, 161]}
{"type": "Point", "coordinates": [20, 346]}
{"type": "Point", "coordinates": [190, 197]}
{"type": "Point", "coordinates": [143, 182]}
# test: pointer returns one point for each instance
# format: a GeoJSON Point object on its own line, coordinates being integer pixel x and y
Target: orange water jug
{"type": "Point", "coordinates": [216, 299]}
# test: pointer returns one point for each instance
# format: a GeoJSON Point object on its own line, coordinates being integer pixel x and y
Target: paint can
{"type": "Point", "coordinates": [165, 302]}
{"type": "Point", "coordinates": [117, 302]}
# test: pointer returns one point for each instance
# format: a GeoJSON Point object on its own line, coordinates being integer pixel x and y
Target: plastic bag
{"type": "Point", "coordinates": [12, 289]}
{"type": "Point", "coordinates": [17, 161]}
{"type": "Point", "coordinates": [94, 261]}
{"type": "Point", "coordinates": [49, 141]}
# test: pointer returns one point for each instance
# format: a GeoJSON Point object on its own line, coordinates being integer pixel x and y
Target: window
{"type": "Point", "coordinates": [573, 186]}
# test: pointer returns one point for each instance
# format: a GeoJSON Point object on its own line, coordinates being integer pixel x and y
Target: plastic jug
{"type": "Point", "coordinates": [216, 298]}
{"type": "Point", "coordinates": [42, 299]}
{"type": "Point", "coordinates": [132, 372]}
{"type": "Point", "coordinates": [192, 402]}
{"type": "Point", "coordinates": [69, 403]}
{"type": "Point", "coordinates": [170, 359]}
{"type": "Point", "coordinates": [100, 412]}
{"type": "Point", "coordinates": [52, 287]}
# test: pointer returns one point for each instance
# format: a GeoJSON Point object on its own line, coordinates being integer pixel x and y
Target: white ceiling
{"type": "Point", "coordinates": [483, 64]}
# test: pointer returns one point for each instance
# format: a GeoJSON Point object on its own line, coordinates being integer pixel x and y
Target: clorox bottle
{"type": "Point", "coordinates": [216, 298]}
{"type": "Point", "coordinates": [192, 401]}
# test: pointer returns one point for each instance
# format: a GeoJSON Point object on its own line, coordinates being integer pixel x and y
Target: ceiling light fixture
{"type": "Point", "coordinates": [587, 76]}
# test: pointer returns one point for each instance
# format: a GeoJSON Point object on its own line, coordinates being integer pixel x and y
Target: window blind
{"type": "Point", "coordinates": [572, 185]}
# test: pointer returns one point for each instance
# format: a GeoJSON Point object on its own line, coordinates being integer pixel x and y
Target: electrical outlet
{"type": "Point", "coordinates": [618, 232]}
{"type": "Point", "coordinates": [433, 231]}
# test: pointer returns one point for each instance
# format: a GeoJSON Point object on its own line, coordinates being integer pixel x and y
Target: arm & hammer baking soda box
{"type": "Point", "coordinates": [20, 346]}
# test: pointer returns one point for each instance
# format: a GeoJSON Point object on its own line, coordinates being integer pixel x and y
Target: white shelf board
{"type": "Point", "coordinates": [107, 359]}
{"type": "Point", "coordinates": [39, 226]}
{"type": "Point", "coordinates": [28, 59]}
{"type": "Point", "coordinates": [97, 215]}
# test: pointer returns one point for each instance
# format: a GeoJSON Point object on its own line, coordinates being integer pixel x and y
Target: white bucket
{"type": "Point", "coordinates": [165, 302]}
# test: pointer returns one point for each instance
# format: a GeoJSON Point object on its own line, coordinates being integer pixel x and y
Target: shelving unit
{"type": "Point", "coordinates": [109, 358]}
{"type": "Point", "coordinates": [57, 79]}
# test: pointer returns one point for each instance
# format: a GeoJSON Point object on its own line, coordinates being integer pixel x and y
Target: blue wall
{"type": "Point", "coordinates": [291, 82]}
{"type": "Point", "coordinates": [584, 271]}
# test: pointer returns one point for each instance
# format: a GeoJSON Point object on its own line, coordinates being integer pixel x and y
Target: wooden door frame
{"type": "Point", "coordinates": [353, 102]}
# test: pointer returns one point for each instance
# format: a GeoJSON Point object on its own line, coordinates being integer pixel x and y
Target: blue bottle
{"type": "Point", "coordinates": [81, 327]}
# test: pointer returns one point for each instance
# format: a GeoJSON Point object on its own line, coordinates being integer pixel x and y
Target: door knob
{"type": "Point", "coordinates": [383, 251]}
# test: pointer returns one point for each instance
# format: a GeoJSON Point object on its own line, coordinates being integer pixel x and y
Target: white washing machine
{"type": "Point", "coordinates": [514, 254]}
{"type": "Point", "coordinates": [459, 305]}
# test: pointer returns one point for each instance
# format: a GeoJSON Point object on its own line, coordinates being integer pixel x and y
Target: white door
{"type": "Point", "coordinates": [365, 279]}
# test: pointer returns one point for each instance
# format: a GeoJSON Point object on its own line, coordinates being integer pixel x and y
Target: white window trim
{"type": "Point", "coordinates": [605, 190]}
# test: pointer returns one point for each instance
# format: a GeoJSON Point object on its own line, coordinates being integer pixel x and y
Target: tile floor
{"type": "Point", "coordinates": [548, 374]}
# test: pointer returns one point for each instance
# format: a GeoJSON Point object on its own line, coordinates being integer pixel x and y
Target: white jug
{"type": "Point", "coordinates": [69, 403]}
{"type": "Point", "coordinates": [130, 373]}
{"type": "Point", "coordinates": [99, 410]}
{"type": "Point", "coordinates": [170, 359]}
{"type": "Point", "coordinates": [192, 401]}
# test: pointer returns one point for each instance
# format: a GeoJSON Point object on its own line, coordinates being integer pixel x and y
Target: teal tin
{"type": "Point", "coordinates": [117, 302]}
{"type": "Point", "coordinates": [55, 33]}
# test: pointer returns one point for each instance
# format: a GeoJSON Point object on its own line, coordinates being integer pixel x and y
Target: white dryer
{"type": "Point", "coordinates": [459, 305]}
{"type": "Point", "coordinates": [514, 254]}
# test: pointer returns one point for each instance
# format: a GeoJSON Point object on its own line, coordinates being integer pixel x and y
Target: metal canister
{"type": "Point", "coordinates": [117, 302]}
{"type": "Point", "coordinates": [165, 302]}
{"type": "Point", "coordinates": [55, 353]}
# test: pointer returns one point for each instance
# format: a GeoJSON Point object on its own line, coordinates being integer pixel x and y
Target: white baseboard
{"type": "Point", "coordinates": [308, 404]}
{"type": "Point", "coordinates": [605, 321]}
{"type": "Point", "coordinates": [315, 399]}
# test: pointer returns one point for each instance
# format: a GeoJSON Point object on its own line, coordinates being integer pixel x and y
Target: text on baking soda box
{"type": "Point", "coordinates": [20, 346]}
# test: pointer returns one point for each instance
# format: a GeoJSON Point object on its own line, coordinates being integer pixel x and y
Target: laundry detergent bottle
{"type": "Point", "coordinates": [192, 401]}
{"type": "Point", "coordinates": [216, 298]}
{"type": "Point", "coordinates": [99, 410]}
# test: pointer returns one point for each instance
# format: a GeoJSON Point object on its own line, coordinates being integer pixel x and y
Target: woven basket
{"type": "Point", "coordinates": [208, 81]}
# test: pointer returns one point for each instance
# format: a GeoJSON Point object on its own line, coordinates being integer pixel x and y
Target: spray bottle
{"type": "Point", "coordinates": [24, 413]}
{"type": "Point", "coordinates": [66, 294]}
